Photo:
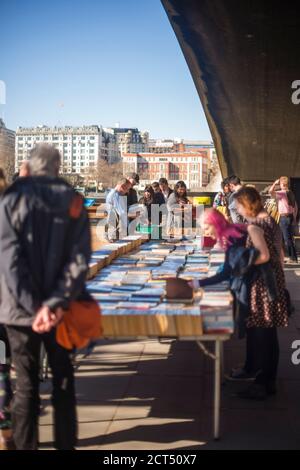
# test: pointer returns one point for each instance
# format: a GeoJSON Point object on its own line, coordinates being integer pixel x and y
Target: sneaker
{"type": "Point", "coordinates": [241, 374]}
{"type": "Point", "coordinates": [254, 392]}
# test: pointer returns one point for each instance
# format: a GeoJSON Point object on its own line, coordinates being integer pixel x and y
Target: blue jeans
{"type": "Point", "coordinates": [286, 225]}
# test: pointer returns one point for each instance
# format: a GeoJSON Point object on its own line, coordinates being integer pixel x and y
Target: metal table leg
{"type": "Point", "coordinates": [217, 358]}
{"type": "Point", "coordinates": [222, 362]}
{"type": "Point", "coordinates": [217, 397]}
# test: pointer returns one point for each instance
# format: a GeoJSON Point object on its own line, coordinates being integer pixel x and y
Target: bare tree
{"type": "Point", "coordinates": [104, 173]}
{"type": "Point", "coordinates": [74, 179]}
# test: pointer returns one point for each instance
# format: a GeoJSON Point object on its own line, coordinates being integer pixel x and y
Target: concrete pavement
{"type": "Point", "coordinates": [148, 395]}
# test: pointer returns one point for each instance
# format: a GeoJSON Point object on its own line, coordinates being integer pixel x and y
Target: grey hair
{"type": "Point", "coordinates": [44, 160]}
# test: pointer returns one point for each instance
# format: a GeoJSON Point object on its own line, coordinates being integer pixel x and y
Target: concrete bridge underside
{"type": "Point", "coordinates": [243, 57]}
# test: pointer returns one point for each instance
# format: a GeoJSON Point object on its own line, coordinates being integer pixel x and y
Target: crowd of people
{"type": "Point", "coordinates": [123, 204]}
{"type": "Point", "coordinates": [44, 254]}
{"type": "Point", "coordinates": [255, 248]}
{"type": "Point", "coordinates": [288, 214]}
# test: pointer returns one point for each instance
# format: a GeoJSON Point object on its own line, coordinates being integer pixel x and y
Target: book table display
{"type": "Point", "coordinates": [128, 279]}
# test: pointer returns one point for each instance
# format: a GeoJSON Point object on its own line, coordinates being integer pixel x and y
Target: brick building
{"type": "Point", "coordinates": [191, 167]}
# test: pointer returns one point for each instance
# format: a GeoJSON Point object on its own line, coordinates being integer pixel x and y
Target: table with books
{"type": "Point", "coordinates": [128, 279]}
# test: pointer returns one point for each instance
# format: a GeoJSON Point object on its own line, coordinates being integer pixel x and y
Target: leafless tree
{"type": "Point", "coordinates": [104, 173]}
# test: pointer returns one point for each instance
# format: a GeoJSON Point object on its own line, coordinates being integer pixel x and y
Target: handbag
{"type": "Point", "coordinates": [80, 325]}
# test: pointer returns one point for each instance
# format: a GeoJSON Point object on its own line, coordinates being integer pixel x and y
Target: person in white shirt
{"type": "Point", "coordinates": [116, 202]}
{"type": "Point", "coordinates": [234, 185]}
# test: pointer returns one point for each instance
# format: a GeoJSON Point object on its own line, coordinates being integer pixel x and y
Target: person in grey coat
{"type": "Point", "coordinates": [44, 256]}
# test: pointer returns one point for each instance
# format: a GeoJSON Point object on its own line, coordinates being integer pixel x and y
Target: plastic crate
{"type": "Point", "coordinates": [89, 202]}
{"type": "Point", "coordinates": [149, 230]}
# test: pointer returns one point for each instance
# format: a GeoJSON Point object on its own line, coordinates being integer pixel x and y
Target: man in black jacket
{"type": "Point", "coordinates": [44, 255]}
{"type": "Point", "coordinates": [165, 188]}
{"type": "Point", "coordinates": [132, 197]}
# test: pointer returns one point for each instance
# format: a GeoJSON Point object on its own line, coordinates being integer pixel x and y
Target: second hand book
{"type": "Point", "coordinates": [178, 289]}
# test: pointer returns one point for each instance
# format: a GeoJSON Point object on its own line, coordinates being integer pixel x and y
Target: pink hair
{"type": "Point", "coordinates": [225, 230]}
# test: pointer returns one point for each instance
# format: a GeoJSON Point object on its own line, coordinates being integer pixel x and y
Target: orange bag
{"type": "Point", "coordinates": [80, 324]}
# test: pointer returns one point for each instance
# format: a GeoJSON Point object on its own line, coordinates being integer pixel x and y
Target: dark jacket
{"type": "Point", "coordinates": [236, 269]}
{"type": "Point", "coordinates": [132, 197]}
{"type": "Point", "coordinates": [159, 198]}
{"type": "Point", "coordinates": [240, 270]}
{"type": "Point", "coordinates": [44, 248]}
{"type": "Point", "coordinates": [148, 206]}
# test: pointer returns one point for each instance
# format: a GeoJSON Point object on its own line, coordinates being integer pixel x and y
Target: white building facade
{"type": "Point", "coordinates": [130, 140]}
{"type": "Point", "coordinates": [80, 147]}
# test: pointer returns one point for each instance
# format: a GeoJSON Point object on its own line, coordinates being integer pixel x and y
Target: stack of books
{"type": "Point", "coordinates": [143, 320]}
{"type": "Point", "coordinates": [131, 290]}
{"type": "Point", "coordinates": [217, 320]}
{"type": "Point", "coordinates": [109, 252]}
{"type": "Point", "coordinates": [216, 298]}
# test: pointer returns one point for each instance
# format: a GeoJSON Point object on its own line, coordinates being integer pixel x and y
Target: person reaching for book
{"type": "Point", "coordinates": [252, 258]}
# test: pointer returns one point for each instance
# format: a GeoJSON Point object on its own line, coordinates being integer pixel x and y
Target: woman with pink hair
{"type": "Point", "coordinates": [231, 237]}
{"type": "Point", "coordinates": [246, 248]}
{"type": "Point", "coordinates": [216, 226]}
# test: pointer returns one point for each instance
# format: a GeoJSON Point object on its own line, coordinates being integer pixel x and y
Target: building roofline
{"type": "Point", "coordinates": [167, 154]}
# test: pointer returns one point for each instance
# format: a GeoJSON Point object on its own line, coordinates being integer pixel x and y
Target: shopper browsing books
{"type": "Point", "coordinates": [132, 197]}
{"type": "Point", "coordinates": [158, 195]}
{"type": "Point", "coordinates": [180, 210]}
{"type": "Point", "coordinates": [148, 200]}
{"type": "Point", "coordinates": [165, 188]}
{"type": "Point", "coordinates": [260, 296]}
{"type": "Point", "coordinates": [234, 185]}
{"type": "Point", "coordinates": [117, 219]}
{"type": "Point", "coordinates": [222, 197]}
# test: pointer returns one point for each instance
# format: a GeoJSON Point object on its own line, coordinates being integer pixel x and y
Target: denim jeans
{"type": "Point", "coordinates": [286, 225]}
{"type": "Point", "coordinates": [25, 349]}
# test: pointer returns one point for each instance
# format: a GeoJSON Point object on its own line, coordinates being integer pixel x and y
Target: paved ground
{"type": "Point", "coordinates": [158, 396]}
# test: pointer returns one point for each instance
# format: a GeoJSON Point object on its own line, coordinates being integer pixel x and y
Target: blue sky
{"type": "Point", "coordinates": [77, 62]}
